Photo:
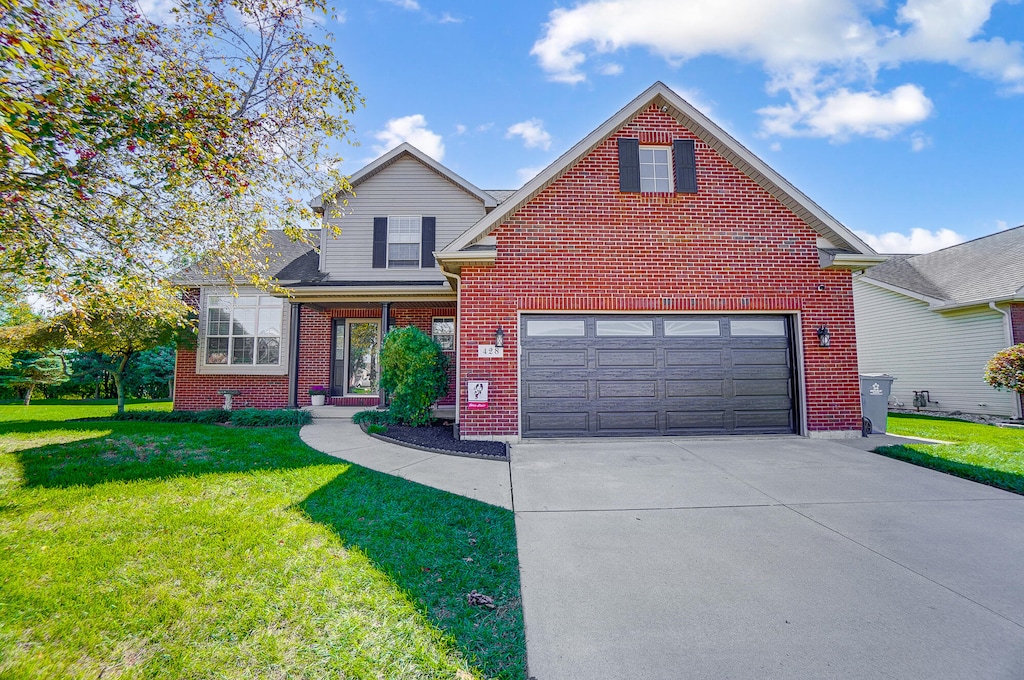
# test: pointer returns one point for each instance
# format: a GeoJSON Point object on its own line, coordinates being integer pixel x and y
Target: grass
{"type": "Point", "coordinates": [160, 550]}
{"type": "Point", "coordinates": [984, 453]}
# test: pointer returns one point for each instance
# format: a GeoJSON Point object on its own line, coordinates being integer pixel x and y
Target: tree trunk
{"type": "Point", "coordinates": [118, 376]}
{"type": "Point", "coordinates": [28, 394]}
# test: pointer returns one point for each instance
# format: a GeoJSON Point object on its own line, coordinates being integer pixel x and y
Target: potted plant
{"type": "Point", "coordinates": [318, 394]}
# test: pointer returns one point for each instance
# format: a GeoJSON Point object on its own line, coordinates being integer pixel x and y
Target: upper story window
{"type": "Point", "coordinates": [243, 330]}
{"type": "Point", "coordinates": [656, 169]}
{"type": "Point", "coordinates": [404, 241]}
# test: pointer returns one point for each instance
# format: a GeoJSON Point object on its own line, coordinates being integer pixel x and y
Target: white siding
{"type": "Point", "coordinates": [942, 353]}
{"type": "Point", "coordinates": [404, 188]}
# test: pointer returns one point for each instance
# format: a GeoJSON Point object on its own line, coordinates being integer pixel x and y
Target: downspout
{"type": "Point", "coordinates": [293, 355]}
{"type": "Point", "coordinates": [1008, 332]}
{"type": "Point", "coordinates": [458, 342]}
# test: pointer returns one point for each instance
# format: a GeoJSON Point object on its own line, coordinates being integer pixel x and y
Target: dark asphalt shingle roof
{"type": "Point", "coordinates": [987, 268]}
{"type": "Point", "coordinates": [289, 261]}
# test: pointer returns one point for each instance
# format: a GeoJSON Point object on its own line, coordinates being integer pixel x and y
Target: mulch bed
{"type": "Point", "coordinates": [440, 438]}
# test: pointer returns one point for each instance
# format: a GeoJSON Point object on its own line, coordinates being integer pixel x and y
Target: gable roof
{"type": "Point", "coordinates": [987, 269]}
{"type": "Point", "coordinates": [407, 150]}
{"type": "Point", "coordinates": [718, 139]}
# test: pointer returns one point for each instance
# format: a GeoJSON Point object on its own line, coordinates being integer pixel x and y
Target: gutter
{"type": "Point", "coordinates": [1008, 331]}
{"type": "Point", "coordinates": [853, 261]}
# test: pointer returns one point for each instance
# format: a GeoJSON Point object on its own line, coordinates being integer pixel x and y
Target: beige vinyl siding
{"type": "Point", "coordinates": [942, 353]}
{"type": "Point", "coordinates": [404, 188]}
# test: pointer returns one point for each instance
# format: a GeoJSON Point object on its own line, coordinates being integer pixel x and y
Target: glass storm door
{"type": "Point", "coordinates": [362, 370]}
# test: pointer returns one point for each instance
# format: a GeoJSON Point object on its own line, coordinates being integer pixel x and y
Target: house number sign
{"type": "Point", "coordinates": [490, 351]}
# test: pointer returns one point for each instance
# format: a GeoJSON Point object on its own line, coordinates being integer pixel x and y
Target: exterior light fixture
{"type": "Point", "coordinates": [499, 337]}
{"type": "Point", "coordinates": [824, 337]}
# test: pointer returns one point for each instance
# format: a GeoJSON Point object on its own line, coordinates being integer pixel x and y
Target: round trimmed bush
{"type": "Point", "coordinates": [414, 370]}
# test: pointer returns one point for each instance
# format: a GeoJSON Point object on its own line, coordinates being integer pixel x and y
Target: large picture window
{"type": "Point", "coordinates": [243, 330]}
{"type": "Point", "coordinates": [404, 241]}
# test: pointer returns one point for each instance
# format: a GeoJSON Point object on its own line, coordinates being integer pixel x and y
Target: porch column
{"type": "Point", "coordinates": [385, 313]}
{"type": "Point", "coordinates": [293, 354]}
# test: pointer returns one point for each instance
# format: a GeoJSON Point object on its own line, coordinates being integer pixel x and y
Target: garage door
{"type": "Point", "coordinates": [600, 375]}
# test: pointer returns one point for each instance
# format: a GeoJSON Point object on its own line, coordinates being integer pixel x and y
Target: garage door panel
{"type": "Point", "coordinates": [560, 389]}
{"type": "Point", "coordinates": [690, 420]}
{"type": "Point", "coordinates": [625, 389]}
{"type": "Point", "coordinates": [551, 358]}
{"type": "Point", "coordinates": [626, 358]}
{"type": "Point", "coordinates": [760, 386]}
{"type": "Point", "coordinates": [694, 388]}
{"type": "Point", "coordinates": [678, 357]}
{"type": "Point", "coordinates": [566, 424]}
{"type": "Point", "coordinates": [632, 421]}
{"type": "Point", "coordinates": [681, 383]}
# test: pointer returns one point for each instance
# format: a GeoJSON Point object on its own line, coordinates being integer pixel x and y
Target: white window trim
{"type": "Point", "coordinates": [419, 244]}
{"type": "Point", "coordinates": [671, 169]}
{"type": "Point", "coordinates": [202, 368]}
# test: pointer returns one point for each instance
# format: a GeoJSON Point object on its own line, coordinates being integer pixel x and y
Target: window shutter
{"type": "Point", "coordinates": [380, 242]}
{"type": "Point", "coordinates": [427, 240]}
{"type": "Point", "coordinates": [629, 165]}
{"type": "Point", "coordinates": [686, 166]}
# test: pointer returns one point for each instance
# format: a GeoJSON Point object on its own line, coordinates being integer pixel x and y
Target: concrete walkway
{"type": "Point", "coordinates": [744, 558]}
{"type": "Point", "coordinates": [334, 433]}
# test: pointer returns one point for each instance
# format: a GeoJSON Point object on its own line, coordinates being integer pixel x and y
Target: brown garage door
{"type": "Point", "coordinates": [601, 375]}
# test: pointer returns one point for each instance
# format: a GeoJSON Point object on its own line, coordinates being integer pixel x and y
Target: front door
{"type": "Point", "coordinates": [356, 363]}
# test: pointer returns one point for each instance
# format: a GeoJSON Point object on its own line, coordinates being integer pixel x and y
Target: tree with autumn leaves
{"type": "Point", "coordinates": [132, 147]}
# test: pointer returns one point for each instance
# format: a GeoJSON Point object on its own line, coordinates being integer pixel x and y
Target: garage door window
{"type": "Point", "coordinates": [760, 327]}
{"type": "Point", "coordinates": [625, 327]}
{"type": "Point", "coordinates": [692, 327]}
{"type": "Point", "coordinates": [556, 328]}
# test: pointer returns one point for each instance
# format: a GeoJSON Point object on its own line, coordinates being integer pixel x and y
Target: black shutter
{"type": "Point", "coordinates": [686, 166]}
{"type": "Point", "coordinates": [427, 242]}
{"type": "Point", "coordinates": [380, 242]}
{"type": "Point", "coordinates": [629, 165]}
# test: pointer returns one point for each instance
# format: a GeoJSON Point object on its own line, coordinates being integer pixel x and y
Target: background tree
{"type": "Point", "coordinates": [31, 370]}
{"type": "Point", "coordinates": [151, 373]}
{"type": "Point", "coordinates": [1005, 370]}
{"type": "Point", "coordinates": [131, 147]}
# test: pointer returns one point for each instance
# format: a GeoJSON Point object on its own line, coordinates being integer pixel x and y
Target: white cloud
{"type": "Point", "coordinates": [533, 133]}
{"type": "Point", "coordinates": [610, 69]}
{"type": "Point", "coordinates": [460, 129]}
{"type": "Point", "coordinates": [775, 146]}
{"type": "Point", "coordinates": [844, 113]}
{"type": "Point", "coordinates": [484, 127]}
{"type": "Point", "coordinates": [411, 5]}
{"type": "Point", "coordinates": [1001, 225]}
{"type": "Point", "coordinates": [526, 174]}
{"type": "Point", "coordinates": [919, 141]}
{"type": "Point", "coordinates": [158, 11]}
{"type": "Point", "coordinates": [412, 129]}
{"type": "Point", "coordinates": [447, 18]}
{"type": "Point", "coordinates": [821, 54]}
{"type": "Point", "coordinates": [919, 240]}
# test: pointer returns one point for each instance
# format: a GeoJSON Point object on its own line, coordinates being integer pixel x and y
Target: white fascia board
{"type": "Point", "coordinates": [984, 302]}
{"type": "Point", "coordinates": [855, 261]}
{"type": "Point", "coordinates": [759, 171]}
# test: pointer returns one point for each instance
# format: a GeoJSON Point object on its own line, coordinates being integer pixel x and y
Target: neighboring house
{"type": "Point", "coordinates": [933, 321]}
{"type": "Point", "coordinates": [658, 278]}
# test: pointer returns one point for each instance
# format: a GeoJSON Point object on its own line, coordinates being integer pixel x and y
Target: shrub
{"type": "Point", "coordinates": [414, 370]}
{"type": "Point", "coordinates": [373, 417]}
{"type": "Point", "coordinates": [320, 389]}
{"type": "Point", "coordinates": [246, 417]}
{"type": "Point", "coordinates": [376, 429]}
{"type": "Point", "coordinates": [1005, 370]}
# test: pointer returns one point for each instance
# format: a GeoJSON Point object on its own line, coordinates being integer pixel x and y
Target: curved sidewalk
{"type": "Point", "coordinates": [334, 433]}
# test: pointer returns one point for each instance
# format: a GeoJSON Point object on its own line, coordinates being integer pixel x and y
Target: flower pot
{"type": "Point", "coordinates": [317, 399]}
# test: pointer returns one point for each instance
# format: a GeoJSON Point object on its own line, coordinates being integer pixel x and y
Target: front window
{"type": "Point", "coordinates": [243, 330]}
{"type": "Point", "coordinates": [442, 329]}
{"type": "Point", "coordinates": [404, 241]}
{"type": "Point", "coordinates": [656, 169]}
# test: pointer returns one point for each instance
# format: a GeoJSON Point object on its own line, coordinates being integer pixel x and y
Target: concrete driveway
{"type": "Point", "coordinates": [762, 558]}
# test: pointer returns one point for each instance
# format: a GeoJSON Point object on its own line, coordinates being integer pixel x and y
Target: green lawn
{"type": "Point", "coordinates": [157, 550]}
{"type": "Point", "coordinates": [985, 453]}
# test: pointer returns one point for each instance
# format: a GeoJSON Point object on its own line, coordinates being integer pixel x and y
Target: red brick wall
{"type": "Point", "coordinates": [582, 245]}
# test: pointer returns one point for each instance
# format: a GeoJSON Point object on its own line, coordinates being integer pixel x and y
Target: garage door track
{"type": "Point", "coordinates": [762, 558]}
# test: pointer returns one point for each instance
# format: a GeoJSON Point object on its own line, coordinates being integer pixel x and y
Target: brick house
{"type": "Point", "coordinates": [658, 278]}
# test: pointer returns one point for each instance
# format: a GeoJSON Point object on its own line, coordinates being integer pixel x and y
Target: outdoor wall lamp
{"type": "Point", "coordinates": [824, 337]}
{"type": "Point", "coordinates": [499, 337]}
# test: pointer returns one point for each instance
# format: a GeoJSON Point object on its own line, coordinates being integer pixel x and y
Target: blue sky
{"type": "Point", "coordinates": [905, 119]}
